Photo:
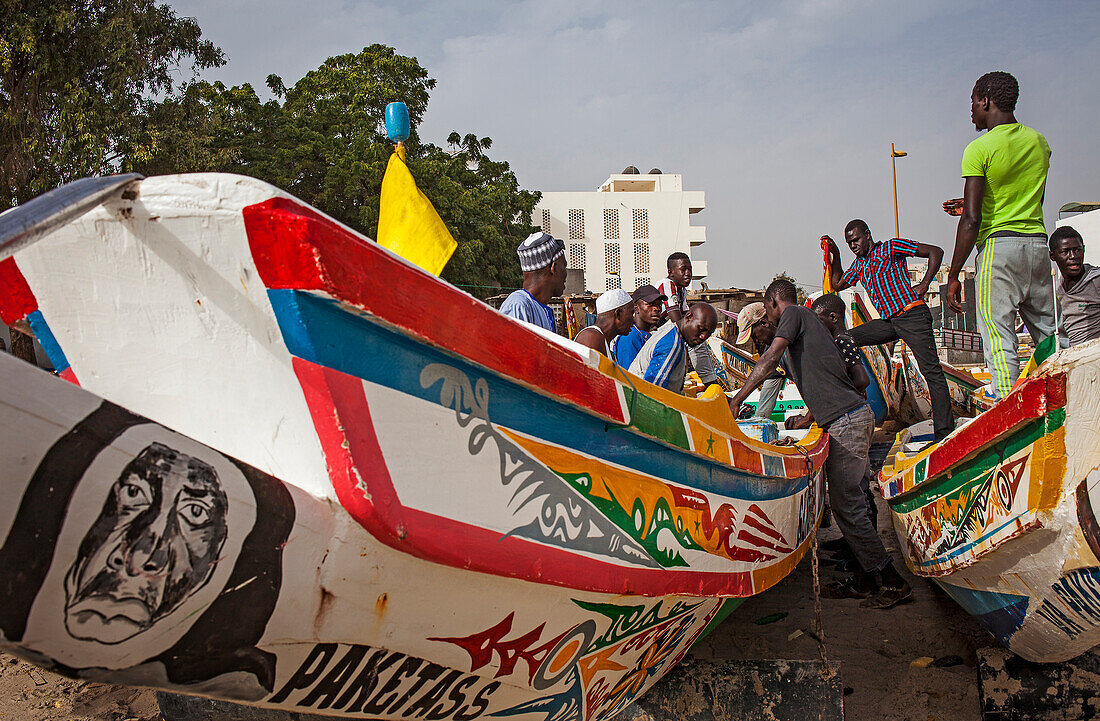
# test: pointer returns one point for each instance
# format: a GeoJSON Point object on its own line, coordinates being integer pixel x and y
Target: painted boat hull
{"type": "Point", "coordinates": [431, 518]}
{"type": "Point", "coordinates": [1003, 513]}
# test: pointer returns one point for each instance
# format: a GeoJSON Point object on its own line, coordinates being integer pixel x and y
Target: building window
{"type": "Point", "coordinates": [641, 223]}
{"type": "Point", "coordinates": [643, 281]}
{"type": "Point", "coordinates": [611, 223]}
{"type": "Point", "coordinates": [641, 258]}
{"type": "Point", "coordinates": [576, 256]}
{"type": "Point", "coordinates": [546, 221]}
{"type": "Point", "coordinates": [576, 224]}
{"type": "Point", "coordinates": [613, 282]}
{"type": "Point", "coordinates": [611, 257]}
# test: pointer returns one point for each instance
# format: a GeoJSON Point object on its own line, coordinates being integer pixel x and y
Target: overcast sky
{"type": "Point", "coordinates": [783, 112]}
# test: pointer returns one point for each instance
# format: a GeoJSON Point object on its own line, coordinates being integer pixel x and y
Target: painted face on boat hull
{"type": "Point", "coordinates": [156, 541]}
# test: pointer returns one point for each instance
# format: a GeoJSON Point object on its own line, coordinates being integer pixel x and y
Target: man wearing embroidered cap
{"type": "Point", "coordinates": [542, 260]}
{"type": "Point", "coordinates": [614, 316]}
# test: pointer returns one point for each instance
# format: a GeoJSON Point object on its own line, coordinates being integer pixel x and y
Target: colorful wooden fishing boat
{"type": "Point", "coordinates": [738, 364]}
{"type": "Point", "coordinates": [1003, 513]}
{"type": "Point", "coordinates": [284, 473]}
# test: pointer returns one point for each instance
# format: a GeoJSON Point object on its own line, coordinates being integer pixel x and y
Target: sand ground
{"type": "Point", "coordinates": [874, 651]}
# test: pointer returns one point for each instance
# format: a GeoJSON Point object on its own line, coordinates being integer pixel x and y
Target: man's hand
{"type": "Point", "coordinates": [954, 295]}
{"type": "Point", "coordinates": [745, 411]}
{"type": "Point", "coordinates": [953, 206]}
{"type": "Point", "coordinates": [798, 423]}
{"type": "Point", "coordinates": [921, 289]}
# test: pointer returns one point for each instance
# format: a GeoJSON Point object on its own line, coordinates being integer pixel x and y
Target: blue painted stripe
{"type": "Point", "coordinates": [46, 338]}
{"type": "Point", "coordinates": [967, 547]}
{"type": "Point", "coordinates": [1001, 613]}
{"type": "Point", "coordinates": [322, 331]}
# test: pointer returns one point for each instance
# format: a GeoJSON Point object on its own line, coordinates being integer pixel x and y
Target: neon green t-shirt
{"type": "Point", "coordinates": [1014, 160]}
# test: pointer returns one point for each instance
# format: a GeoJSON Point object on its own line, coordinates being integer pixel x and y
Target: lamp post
{"type": "Point", "coordinates": [894, 155]}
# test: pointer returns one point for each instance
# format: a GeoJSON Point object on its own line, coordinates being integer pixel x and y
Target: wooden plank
{"type": "Point", "coordinates": [1011, 688]}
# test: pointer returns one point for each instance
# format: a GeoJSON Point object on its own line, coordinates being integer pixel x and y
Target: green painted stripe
{"type": "Point", "coordinates": [973, 469]}
{"type": "Point", "coordinates": [656, 419]}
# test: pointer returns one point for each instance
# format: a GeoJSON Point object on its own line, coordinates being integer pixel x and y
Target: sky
{"type": "Point", "coordinates": [782, 112]}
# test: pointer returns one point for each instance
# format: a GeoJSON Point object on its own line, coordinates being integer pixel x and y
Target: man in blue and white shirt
{"type": "Point", "coordinates": [542, 260]}
{"type": "Point", "coordinates": [663, 359]}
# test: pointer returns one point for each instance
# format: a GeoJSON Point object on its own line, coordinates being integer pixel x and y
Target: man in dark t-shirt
{"type": "Point", "coordinates": [816, 366]}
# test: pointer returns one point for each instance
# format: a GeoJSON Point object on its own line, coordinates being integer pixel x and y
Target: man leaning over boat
{"type": "Point", "coordinates": [663, 359]}
{"type": "Point", "coordinates": [542, 260]}
{"type": "Point", "coordinates": [810, 357]}
{"type": "Point", "coordinates": [1078, 288]}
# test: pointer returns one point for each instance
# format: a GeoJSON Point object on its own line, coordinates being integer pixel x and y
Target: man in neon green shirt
{"type": "Point", "coordinates": [1005, 175]}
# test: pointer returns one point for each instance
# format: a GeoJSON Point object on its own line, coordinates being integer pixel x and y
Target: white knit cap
{"type": "Point", "coordinates": [612, 300]}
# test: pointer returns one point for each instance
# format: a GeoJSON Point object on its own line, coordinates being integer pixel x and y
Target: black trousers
{"type": "Point", "coordinates": [914, 326]}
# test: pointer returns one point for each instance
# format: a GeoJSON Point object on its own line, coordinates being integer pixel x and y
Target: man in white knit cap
{"type": "Point", "coordinates": [614, 317]}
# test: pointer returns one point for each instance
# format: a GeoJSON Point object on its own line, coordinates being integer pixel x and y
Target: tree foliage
{"type": "Point", "coordinates": [324, 140]}
{"type": "Point", "coordinates": [76, 76]}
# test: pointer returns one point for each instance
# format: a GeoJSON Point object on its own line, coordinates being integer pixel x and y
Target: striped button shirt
{"type": "Point", "coordinates": [663, 359]}
{"type": "Point", "coordinates": [885, 275]}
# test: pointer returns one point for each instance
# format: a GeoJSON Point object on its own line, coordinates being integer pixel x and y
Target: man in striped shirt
{"type": "Point", "coordinates": [663, 359]}
{"type": "Point", "coordinates": [903, 314]}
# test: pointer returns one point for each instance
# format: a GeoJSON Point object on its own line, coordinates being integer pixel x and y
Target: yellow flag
{"type": "Point", "coordinates": [826, 267]}
{"type": "Point", "coordinates": [408, 224]}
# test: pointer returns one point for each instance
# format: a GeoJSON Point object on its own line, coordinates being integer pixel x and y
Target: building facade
{"type": "Point", "coordinates": [621, 234]}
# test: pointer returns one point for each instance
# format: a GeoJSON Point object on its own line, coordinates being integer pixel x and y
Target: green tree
{"type": "Point", "coordinates": [76, 76]}
{"type": "Point", "coordinates": [324, 140]}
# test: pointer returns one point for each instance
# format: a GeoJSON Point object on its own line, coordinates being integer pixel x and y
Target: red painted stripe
{"type": "Point", "coordinates": [344, 425]}
{"type": "Point", "coordinates": [68, 375]}
{"type": "Point", "coordinates": [748, 537]}
{"type": "Point", "coordinates": [757, 521]}
{"type": "Point", "coordinates": [1034, 398]}
{"type": "Point", "coordinates": [295, 247]}
{"type": "Point", "coordinates": [16, 298]}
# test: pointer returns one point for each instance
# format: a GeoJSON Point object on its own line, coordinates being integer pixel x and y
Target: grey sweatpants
{"type": "Point", "coordinates": [1013, 274]}
{"type": "Point", "coordinates": [846, 468]}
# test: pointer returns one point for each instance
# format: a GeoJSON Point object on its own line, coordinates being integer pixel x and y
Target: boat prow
{"type": "Point", "coordinates": [1003, 512]}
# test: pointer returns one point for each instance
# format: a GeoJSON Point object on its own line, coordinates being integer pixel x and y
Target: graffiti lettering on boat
{"type": "Point", "coordinates": [562, 517]}
{"type": "Point", "coordinates": [358, 679]}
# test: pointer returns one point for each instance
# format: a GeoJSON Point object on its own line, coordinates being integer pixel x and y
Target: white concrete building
{"type": "Point", "coordinates": [622, 233]}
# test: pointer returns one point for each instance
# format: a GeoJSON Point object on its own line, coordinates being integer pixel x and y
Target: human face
{"type": "Point", "coordinates": [771, 307]}
{"type": "Point", "coordinates": [558, 275]}
{"type": "Point", "coordinates": [698, 328]}
{"type": "Point", "coordinates": [859, 241]}
{"type": "Point", "coordinates": [979, 110]}
{"type": "Point", "coordinates": [680, 273]}
{"type": "Point", "coordinates": [624, 319]}
{"type": "Point", "coordinates": [762, 333]}
{"type": "Point", "coordinates": [1069, 255]}
{"type": "Point", "coordinates": [156, 541]}
{"type": "Point", "coordinates": [646, 315]}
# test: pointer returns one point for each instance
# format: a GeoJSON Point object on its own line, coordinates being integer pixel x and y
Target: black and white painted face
{"type": "Point", "coordinates": [156, 541]}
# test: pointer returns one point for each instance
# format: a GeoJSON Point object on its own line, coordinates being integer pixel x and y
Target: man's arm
{"type": "Point", "coordinates": [934, 254]}
{"type": "Point", "coordinates": [965, 237]}
{"type": "Point", "coordinates": [836, 270]}
{"type": "Point", "coordinates": [858, 375]}
{"type": "Point", "coordinates": [764, 368]}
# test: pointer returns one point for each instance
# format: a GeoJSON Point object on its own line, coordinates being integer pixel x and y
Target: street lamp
{"type": "Point", "coordinates": [894, 155]}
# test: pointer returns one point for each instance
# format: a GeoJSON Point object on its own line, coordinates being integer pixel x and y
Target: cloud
{"type": "Point", "coordinates": [782, 112]}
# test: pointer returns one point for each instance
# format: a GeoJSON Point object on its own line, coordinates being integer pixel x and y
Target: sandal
{"type": "Point", "coordinates": [844, 588]}
{"type": "Point", "coordinates": [888, 597]}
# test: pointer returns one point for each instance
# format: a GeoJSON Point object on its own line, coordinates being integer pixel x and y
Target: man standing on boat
{"type": "Point", "coordinates": [663, 359]}
{"type": "Point", "coordinates": [1005, 175]}
{"type": "Point", "coordinates": [1078, 291]}
{"type": "Point", "coordinates": [542, 260]}
{"type": "Point", "coordinates": [811, 359]}
{"type": "Point", "coordinates": [903, 314]}
{"type": "Point", "coordinates": [614, 317]}
{"type": "Point", "coordinates": [648, 305]}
